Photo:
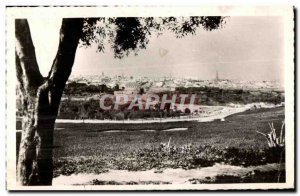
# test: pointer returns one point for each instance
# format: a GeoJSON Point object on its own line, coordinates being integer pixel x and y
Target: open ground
{"type": "Point", "coordinates": [238, 130]}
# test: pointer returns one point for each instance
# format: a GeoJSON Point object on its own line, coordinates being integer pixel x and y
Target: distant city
{"type": "Point", "coordinates": [169, 83]}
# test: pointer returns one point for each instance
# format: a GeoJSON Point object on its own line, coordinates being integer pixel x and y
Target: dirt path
{"type": "Point", "coordinates": [167, 176]}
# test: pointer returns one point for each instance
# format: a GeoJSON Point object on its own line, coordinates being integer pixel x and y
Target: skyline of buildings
{"type": "Point", "coordinates": [171, 82]}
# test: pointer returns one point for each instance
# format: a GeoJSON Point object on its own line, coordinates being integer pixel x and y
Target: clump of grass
{"type": "Point", "coordinates": [101, 182]}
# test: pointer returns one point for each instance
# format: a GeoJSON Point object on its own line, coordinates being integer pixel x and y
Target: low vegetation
{"type": "Point", "coordinates": [162, 157]}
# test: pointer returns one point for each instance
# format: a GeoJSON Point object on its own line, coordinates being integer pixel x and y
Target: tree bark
{"type": "Point", "coordinates": [40, 99]}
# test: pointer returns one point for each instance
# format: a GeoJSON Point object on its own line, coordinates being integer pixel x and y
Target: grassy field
{"type": "Point", "coordinates": [91, 148]}
{"type": "Point", "coordinates": [239, 130]}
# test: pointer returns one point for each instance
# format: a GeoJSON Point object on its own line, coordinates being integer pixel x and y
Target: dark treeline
{"type": "Point", "coordinates": [75, 88]}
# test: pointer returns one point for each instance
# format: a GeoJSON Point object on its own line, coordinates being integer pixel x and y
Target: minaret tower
{"type": "Point", "coordinates": [217, 76]}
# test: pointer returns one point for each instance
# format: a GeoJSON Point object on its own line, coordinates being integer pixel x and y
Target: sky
{"type": "Point", "coordinates": [246, 48]}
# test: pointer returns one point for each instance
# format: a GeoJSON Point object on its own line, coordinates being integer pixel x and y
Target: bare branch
{"type": "Point", "coordinates": [25, 56]}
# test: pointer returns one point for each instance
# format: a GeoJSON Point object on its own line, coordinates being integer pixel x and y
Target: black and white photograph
{"type": "Point", "coordinates": [150, 98]}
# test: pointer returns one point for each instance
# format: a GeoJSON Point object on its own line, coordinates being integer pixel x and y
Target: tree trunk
{"type": "Point", "coordinates": [41, 98]}
{"type": "Point", "coordinates": [35, 166]}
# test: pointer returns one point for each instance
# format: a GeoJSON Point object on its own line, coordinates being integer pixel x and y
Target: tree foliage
{"type": "Point", "coordinates": [127, 35]}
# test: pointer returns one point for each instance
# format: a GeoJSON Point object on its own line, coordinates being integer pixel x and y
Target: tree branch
{"type": "Point", "coordinates": [26, 64]}
{"type": "Point", "coordinates": [19, 73]}
{"type": "Point", "coordinates": [70, 33]}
